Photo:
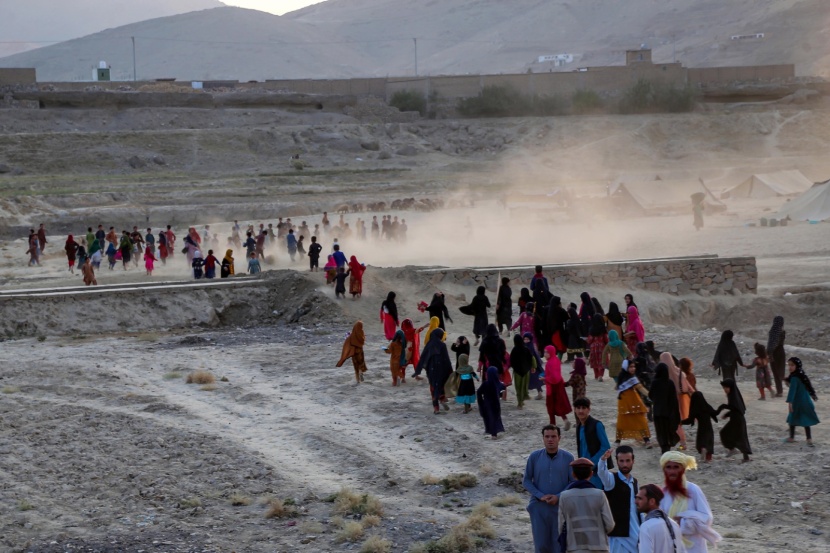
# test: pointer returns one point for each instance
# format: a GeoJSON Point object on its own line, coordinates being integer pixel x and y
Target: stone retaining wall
{"type": "Point", "coordinates": [705, 275]}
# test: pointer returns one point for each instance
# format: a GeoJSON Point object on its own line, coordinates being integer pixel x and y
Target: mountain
{"type": "Point", "coordinates": [25, 25]}
{"type": "Point", "coordinates": [346, 38]}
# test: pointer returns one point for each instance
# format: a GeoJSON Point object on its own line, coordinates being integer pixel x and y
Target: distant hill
{"type": "Point", "coordinates": [346, 38]}
{"type": "Point", "coordinates": [48, 20]}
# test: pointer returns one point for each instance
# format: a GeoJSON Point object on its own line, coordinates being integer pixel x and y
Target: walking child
{"type": "Point", "coordinates": [340, 282]}
{"type": "Point", "coordinates": [254, 268]}
{"type": "Point", "coordinates": [466, 395]}
{"type": "Point", "coordinates": [210, 265]}
{"type": "Point", "coordinates": [763, 374]}
{"type": "Point", "coordinates": [577, 379]}
{"type": "Point", "coordinates": [353, 349]}
{"type": "Point", "coordinates": [397, 357]}
{"type": "Point", "coordinates": [800, 400]}
{"type": "Point", "coordinates": [703, 414]}
{"type": "Point", "coordinates": [149, 260]}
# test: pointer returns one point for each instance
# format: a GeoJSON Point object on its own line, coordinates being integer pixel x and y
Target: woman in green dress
{"type": "Point", "coordinates": [800, 400]}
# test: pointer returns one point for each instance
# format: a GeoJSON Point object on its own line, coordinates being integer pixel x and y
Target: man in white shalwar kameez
{"type": "Point", "coordinates": [685, 503]}
{"type": "Point", "coordinates": [658, 533]}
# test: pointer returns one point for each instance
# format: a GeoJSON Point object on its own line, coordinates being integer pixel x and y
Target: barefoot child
{"type": "Point", "coordinates": [353, 349]}
{"type": "Point", "coordinates": [340, 282]}
{"type": "Point", "coordinates": [397, 360]}
{"type": "Point", "coordinates": [763, 375]}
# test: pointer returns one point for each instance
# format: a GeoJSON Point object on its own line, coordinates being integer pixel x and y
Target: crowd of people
{"type": "Point", "coordinates": [129, 248]}
{"type": "Point", "coordinates": [653, 388]}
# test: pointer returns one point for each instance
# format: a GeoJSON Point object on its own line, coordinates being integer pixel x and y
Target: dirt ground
{"type": "Point", "coordinates": [105, 447]}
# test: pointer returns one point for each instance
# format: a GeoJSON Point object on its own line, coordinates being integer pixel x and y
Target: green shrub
{"type": "Point", "coordinates": [505, 101]}
{"type": "Point", "coordinates": [409, 100]}
{"type": "Point", "coordinates": [495, 101]}
{"type": "Point", "coordinates": [647, 97]}
{"type": "Point", "coordinates": [585, 101]}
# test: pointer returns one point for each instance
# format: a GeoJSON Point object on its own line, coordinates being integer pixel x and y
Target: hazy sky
{"type": "Point", "coordinates": [278, 7]}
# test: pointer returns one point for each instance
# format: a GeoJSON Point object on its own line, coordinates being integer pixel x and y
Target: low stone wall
{"type": "Point", "coordinates": [705, 275]}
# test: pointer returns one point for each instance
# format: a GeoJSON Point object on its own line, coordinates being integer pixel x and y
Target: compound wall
{"type": "Point", "coordinates": [705, 276]}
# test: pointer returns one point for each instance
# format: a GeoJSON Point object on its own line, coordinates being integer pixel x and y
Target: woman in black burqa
{"type": "Point", "coordinates": [665, 409]}
{"type": "Point", "coordinates": [776, 353]}
{"type": "Point", "coordinates": [437, 308]}
{"type": "Point", "coordinates": [733, 435]}
{"type": "Point", "coordinates": [703, 414]}
{"type": "Point", "coordinates": [478, 309]}
{"type": "Point", "coordinates": [492, 350]}
{"type": "Point", "coordinates": [489, 404]}
{"type": "Point", "coordinates": [555, 325]}
{"type": "Point", "coordinates": [727, 357]}
{"type": "Point", "coordinates": [435, 359]}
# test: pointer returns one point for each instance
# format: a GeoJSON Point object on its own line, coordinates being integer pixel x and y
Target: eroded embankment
{"type": "Point", "coordinates": [279, 296]}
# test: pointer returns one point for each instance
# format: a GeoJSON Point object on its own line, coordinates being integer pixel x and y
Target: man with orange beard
{"type": "Point", "coordinates": [685, 503]}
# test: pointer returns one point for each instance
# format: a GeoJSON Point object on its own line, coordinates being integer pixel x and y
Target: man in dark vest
{"type": "Point", "coordinates": [591, 439]}
{"type": "Point", "coordinates": [621, 489]}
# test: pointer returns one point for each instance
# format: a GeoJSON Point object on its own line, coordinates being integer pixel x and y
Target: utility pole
{"type": "Point", "coordinates": [134, 74]}
{"type": "Point", "coordinates": [415, 40]}
{"type": "Point", "coordinates": [674, 48]}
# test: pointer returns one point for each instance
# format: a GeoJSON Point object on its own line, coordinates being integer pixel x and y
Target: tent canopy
{"type": "Point", "coordinates": [664, 195]}
{"type": "Point", "coordinates": [770, 185]}
{"type": "Point", "coordinates": [813, 205]}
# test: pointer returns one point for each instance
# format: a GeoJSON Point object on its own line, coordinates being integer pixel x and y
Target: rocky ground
{"type": "Point", "coordinates": [105, 447]}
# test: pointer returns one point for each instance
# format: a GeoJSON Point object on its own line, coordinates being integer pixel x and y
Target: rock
{"type": "Point", "coordinates": [159, 160]}
{"type": "Point", "coordinates": [384, 155]}
{"type": "Point", "coordinates": [5, 168]}
{"type": "Point", "coordinates": [136, 162]}
{"type": "Point", "coordinates": [372, 145]}
{"type": "Point", "coordinates": [407, 151]}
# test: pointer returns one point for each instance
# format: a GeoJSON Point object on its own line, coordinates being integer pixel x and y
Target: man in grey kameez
{"type": "Point", "coordinates": [547, 474]}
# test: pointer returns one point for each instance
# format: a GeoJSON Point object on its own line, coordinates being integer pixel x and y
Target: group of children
{"type": "Point", "coordinates": [634, 376]}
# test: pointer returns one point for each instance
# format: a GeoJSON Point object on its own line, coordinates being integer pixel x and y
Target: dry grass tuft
{"type": "Point", "coordinates": [485, 510]}
{"type": "Point", "coordinates": [190, 503]}
{"type": "Point", "coordinates": [209, 387]}
{"type": "Point", "coordinates": [278, 509]}
{"type": "Point", "coordinates": [200, 377]}
{"type": "Point", "coordinates": [172, 375]}
{"type": "Point", "coordinates": [10, 389]}
{"type": "Point", "coordinates": [351, 532]}
{"type": "Point", "coordinates": [486, 469]}
{"type": "Point", "coordinates": [311, 527]}
{"type": "Point", "coordinates": [348, 502]}
{"type": "Point", "coordinates": [506, 500]}
{"type": "Point", "coordinates": [376, 544]}
{"type": "Point", "coordinates": [459, 481]}
{"type": "Point", "coordinates": [238, 500]}
{"type": "Point", "coordinates": [24, 505]}
{"type": "Point", "coordinates": [370, 521]}
{"type": "Point", "coordinates": [467, 536]}
{"type": "Point", "coordinates": [429, 480]}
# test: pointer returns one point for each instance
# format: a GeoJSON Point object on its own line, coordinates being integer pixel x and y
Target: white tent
{"type": "Point", "coordinates": [664, 195]}
{"type": "Point", "coordinates": [770, 185]}
{"type": "Point", "coordinates": [813, 205]}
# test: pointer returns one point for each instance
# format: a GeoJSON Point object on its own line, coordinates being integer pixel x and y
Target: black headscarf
{"type": "Point", "coordinates": [493, 348]}
{"type": "Point", "coordinates": [587, 307]}
{"type": "Point", "coordinates": [389, 304]}
{"type": "Point", "coordinates": [598, 326]}
{"type": "Point", "coordinates": [664, 395]}
{"type": "Point", "coordinates": [775, 334]}
{"type": "Point", "coordinates": [614, 314]}
{"type": "Point", "coordinates": [802, 376]}
{"type": "Point", "coordinates": [727, 354]}
{"type": "Point", "coordinates": [643, 365]}
{"type": "Point", "coordinates": [489, 404]}
{"type": "Point", "coordinates": [460, 347]}
{"type": "Point", "coordinates": [699, 408]}
{"type": "Point", "coordinates": [524, 296]}
{"type": "Point", "coordinates": [520, 357]}
{"type": "Point", "coordinates": [734, 399]}
{"type": "Point", "coordinates": [435, 359]}
{"type": "Point", "coordinates": [480, 303]}
{"type": "Point", "coordinates": [597, 306]}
